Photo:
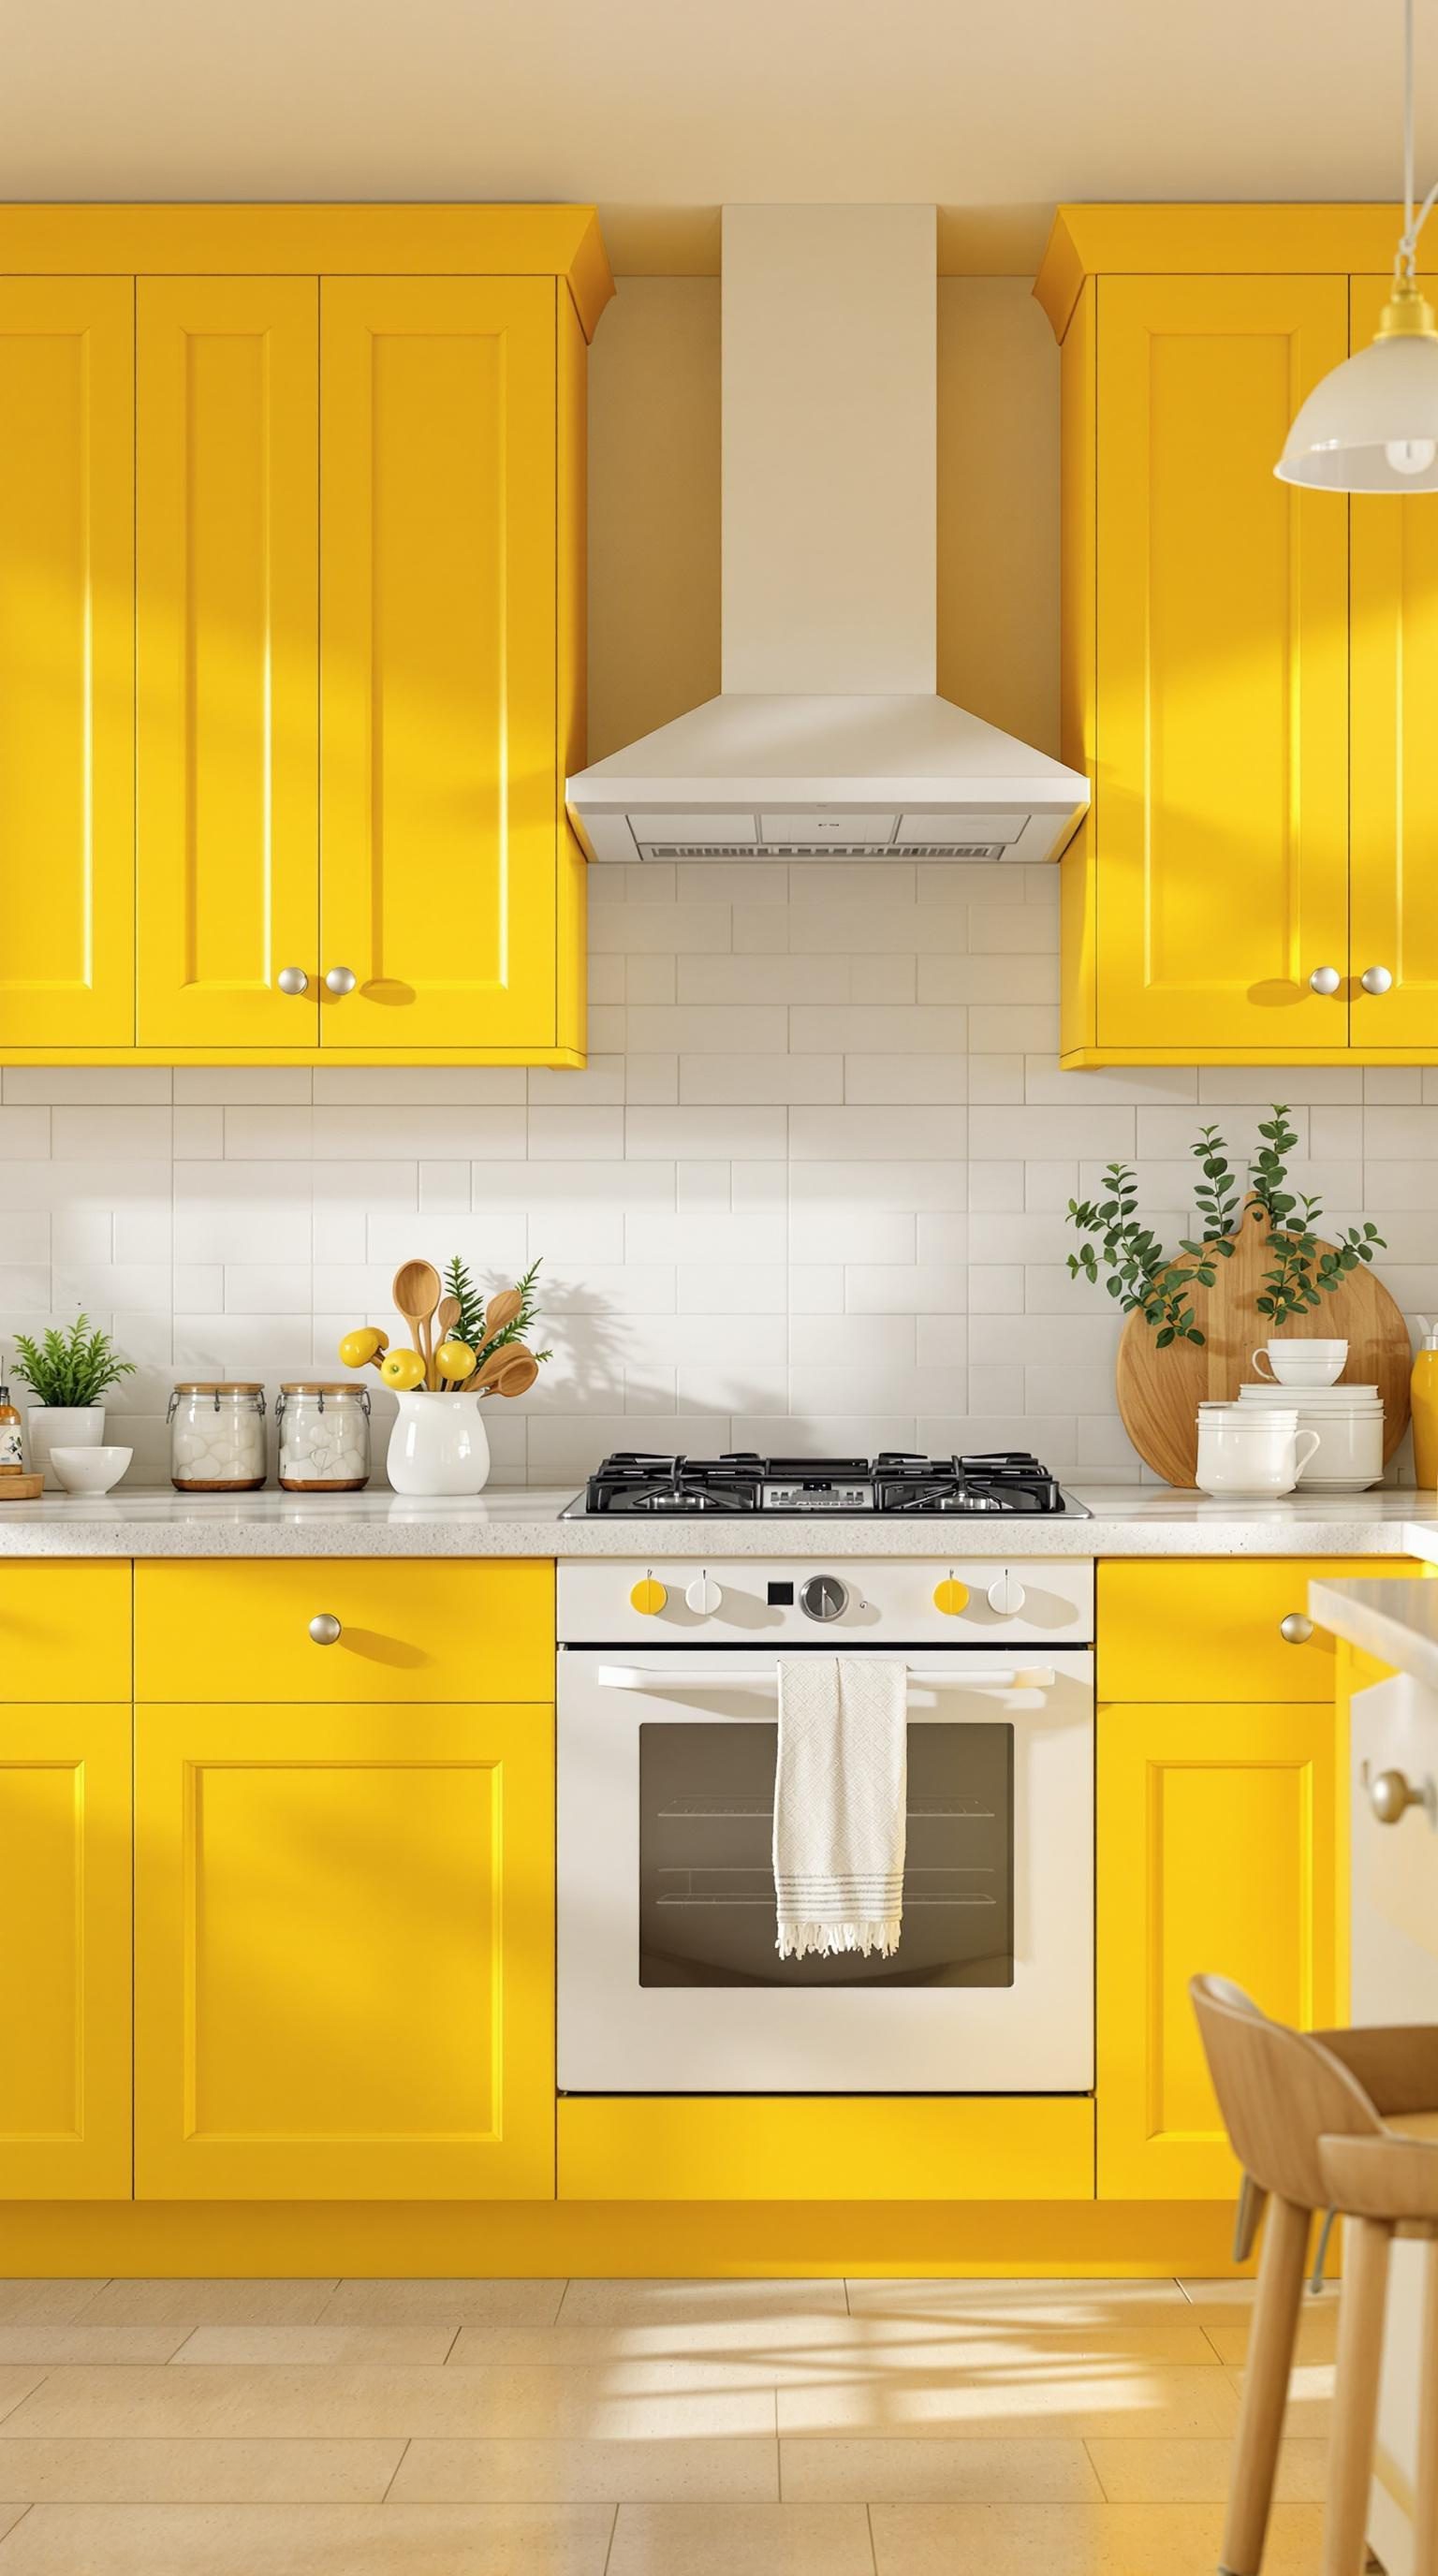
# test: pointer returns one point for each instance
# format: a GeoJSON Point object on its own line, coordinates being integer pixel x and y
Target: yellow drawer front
{"type": "Point", "coordinates": [822, 2147]}
{"type": "Point", "coordinates": [422, 1630]}
{"type": "Point", "coordinates": [64, 1630]}
{"type": "Point", "coordinates": [1211, 1629]}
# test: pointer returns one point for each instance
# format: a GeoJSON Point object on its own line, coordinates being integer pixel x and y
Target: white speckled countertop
{"type": "Point", "coordinates": [1397, 1622]}
{"type": "Point", "coordinates": [520, 1521]}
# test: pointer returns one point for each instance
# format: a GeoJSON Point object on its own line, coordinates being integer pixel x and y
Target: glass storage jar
{"type": "Point", "coordinates": [324, 1437]}
{"type": "Point", "coordinates": [217, 1437]}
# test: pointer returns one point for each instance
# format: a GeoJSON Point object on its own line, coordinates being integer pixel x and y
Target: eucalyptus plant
{"type": "Point", "coordinates": [1158, 1285]}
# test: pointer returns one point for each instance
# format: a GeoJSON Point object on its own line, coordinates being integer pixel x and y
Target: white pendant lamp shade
{"type": "Point", "coordinates": [1372, 425]}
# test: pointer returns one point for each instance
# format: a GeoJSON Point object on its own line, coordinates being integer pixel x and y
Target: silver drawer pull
{"type": "Point", "coordinates": [1296, 1629]}
{"type": "Point", "coordinates": [325, 1628]}
{"type": "Point", "coordinates": [1325, 980]}
{"type": "Point", "coordinates": [687, 1678]}
{"type": "Point", "coordinates": [1390, 1796]}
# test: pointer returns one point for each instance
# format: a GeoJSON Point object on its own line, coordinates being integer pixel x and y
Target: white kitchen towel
{"type": "Point", "coordinates": [840, 1791]}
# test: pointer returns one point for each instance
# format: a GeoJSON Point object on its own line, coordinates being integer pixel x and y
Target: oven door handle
{"type": "Point", "coordinates": [950, 1677]}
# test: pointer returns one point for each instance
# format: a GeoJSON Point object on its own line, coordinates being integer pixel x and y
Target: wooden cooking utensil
{"type": "Point", "coordinates": [416, 1295]}
{"type": "Point", "coordinates": [519, 1376]}
{"type": "Point", "coordinates": [1159, 1391]}
{"type": "Point", "coordinates": [503, 1309]}
{"type": "Point", "coordinates": [495, 1366]}
{"type": "Point", "coordinates": [446, 1316]}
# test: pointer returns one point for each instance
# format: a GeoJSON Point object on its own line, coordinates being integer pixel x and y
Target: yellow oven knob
{"type": "Point", "coordinates": [951, 1596]}
{"type": "Point", "coordinates": [648, 1597]}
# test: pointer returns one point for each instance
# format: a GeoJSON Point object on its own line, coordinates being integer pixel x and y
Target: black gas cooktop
{"type": "Point", "coordinates": [641, 1481]}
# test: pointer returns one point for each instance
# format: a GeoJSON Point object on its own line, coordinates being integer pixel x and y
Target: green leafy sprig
{"type": "Point", "coordinates": [1148, 1281]}
{"type": "Point", "coordinates": [74, 1368]}
{"type": "Point", "coordinates": [472, 1302]}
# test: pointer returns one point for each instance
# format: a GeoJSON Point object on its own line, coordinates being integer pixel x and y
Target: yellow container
{"type": "Point", "coordinates": [1425, 1409]}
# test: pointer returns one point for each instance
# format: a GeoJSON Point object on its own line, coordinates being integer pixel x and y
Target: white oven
{"type": "Point", "coordinates": [669, 1979]}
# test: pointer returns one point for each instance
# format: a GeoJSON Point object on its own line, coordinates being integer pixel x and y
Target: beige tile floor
{"type": "Point", "coordinates": [621, 2428]}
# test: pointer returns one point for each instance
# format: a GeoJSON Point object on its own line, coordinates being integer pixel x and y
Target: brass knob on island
{"type": "Point", "coordinates": [648, 1597]}
{"type": "Point", "coordinates": [1296, 1629]}
{"type": "Point", "coordinates": [951, 1597]}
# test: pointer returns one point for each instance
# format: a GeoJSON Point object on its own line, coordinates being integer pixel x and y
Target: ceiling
{"type": "Point", "coordinates": [659, 110]}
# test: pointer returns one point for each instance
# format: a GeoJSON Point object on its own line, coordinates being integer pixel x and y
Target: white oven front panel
{"type": "Point", "coordinates": [618, 2036]}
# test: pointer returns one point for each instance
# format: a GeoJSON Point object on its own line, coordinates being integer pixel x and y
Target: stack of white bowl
{"type": "Point", "coordinates": [1301, 1376]}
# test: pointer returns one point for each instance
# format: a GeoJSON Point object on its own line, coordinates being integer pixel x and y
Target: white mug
{"type": "Point", "coordinates": [1300, 1362]}
{"type": "Point", "coordinates": [1238, 1454]}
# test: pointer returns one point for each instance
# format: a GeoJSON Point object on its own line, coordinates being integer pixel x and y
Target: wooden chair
{"type": "Point", "coordinates": [1317, 2120]}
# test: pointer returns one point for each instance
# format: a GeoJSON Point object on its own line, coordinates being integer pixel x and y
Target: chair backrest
{"type": "Point", "coordinates": [1279, 2091]}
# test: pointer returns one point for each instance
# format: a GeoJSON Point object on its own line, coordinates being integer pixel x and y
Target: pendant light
{"type": "Point", "coordinates": [1372, 425]}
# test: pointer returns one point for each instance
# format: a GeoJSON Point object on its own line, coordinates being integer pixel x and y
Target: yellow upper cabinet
{"type": "Point", "coordinates": [227, 541]}
{"type": "Point", "coordinates": [327, 465]}
{"type": "Point", "coordinates": [442, 798]}
{"type": "Point", "coordinates": [67, 662]}
{"type": "Point", "coordinates": [1240, 657]}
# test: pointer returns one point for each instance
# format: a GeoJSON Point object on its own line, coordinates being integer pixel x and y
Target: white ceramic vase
{"type": "Point", "coordinates": [439, 1445]}
{"type": "Point", "coordinates": [60, 1426]}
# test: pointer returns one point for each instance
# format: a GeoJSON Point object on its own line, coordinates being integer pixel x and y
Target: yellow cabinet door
{"type": "Point", "coordinates": [1395, 780]}
{"type": "Point", "coordinates": [64, 1952]}
{"type": "Point", "coordinates": [440, 794]}
{"type": "Point", "coordinates": [344, 1953]}
{"type": "Point", "coordinates": [1221, 808]}
{"type": "Point", "coordinates": [1215, 1852]}
{"type": "Point", "coordinates": [67, 662]}
{"type": "Point", "coordinates": [227, 540]}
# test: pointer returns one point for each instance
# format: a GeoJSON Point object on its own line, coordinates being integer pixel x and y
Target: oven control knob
{"type": "Point", "coordinates": [823, 1597]}
{"type": "Point", "coordinates": [703, 1595]}
{"type": "Point", "coordinates": [648, 1597]}
{"type": "Point", "coordinates": [1007, 1595]}
{"type": "Point", "coordinates": [951, 1596]}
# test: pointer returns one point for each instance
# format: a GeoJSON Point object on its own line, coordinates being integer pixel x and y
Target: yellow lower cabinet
{"type": "Point", "coordinates": [344, 1952]}
{"type": "Point", "coordinates": [64, 1952]}
{"type": "Point", "coordinates": [981, 2147]}
{"type": "Point", "coordinates": [1216, 1851]}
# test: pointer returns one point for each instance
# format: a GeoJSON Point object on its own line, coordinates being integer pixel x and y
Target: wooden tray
{"type": "Point", "coordinates": [1159, 1391]}
{"type": "Point", "coordinates": [19, 1486]}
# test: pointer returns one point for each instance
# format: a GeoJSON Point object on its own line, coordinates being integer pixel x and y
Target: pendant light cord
{"type": "Point", "coordinates": [1405, 260]}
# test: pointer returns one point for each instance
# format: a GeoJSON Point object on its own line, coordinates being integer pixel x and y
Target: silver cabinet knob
{"type": "Point", "coordinates": [341, 979]}
{"type": "Point", "coordinates": [1325, 979]}
{"type": "Point", "coordinates": [293, 979]}
{"type": "Point", "coordinates": [1376, 979]}
{"type": "Point", "coordinates": [1296, 1629]}
{"type": "Point", "coordinates": [823, 1597]}
{"type": "Point", "coordinates": [325, 1628]}
{"type": "Point", "coordinates": [1390, 1796]}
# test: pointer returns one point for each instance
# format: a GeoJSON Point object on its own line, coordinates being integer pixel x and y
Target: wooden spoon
{"type": "Point", "coordinates": [502, 1310]}
{"type": "Point", "coordinates": [495, 1366]}
{"type": "Point", "coordinates": [446, 1316]}
{"type": "Point", "coordinates": [416, 1296]}
{"type": "Point", "coordinates": [519, 1376]}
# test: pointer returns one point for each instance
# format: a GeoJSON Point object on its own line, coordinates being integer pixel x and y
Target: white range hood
{"type": "Point", "coordinates": [828, 740]}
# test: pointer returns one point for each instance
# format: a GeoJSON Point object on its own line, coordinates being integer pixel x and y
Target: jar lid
{"type": "Point", "coordinates": [218, 1386]}
{"type": "Point", "coordinates": [321, 1386]}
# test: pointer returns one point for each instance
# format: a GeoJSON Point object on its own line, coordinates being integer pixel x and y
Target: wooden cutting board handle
{"type": "Point", "coordinates": [1159, 1392]}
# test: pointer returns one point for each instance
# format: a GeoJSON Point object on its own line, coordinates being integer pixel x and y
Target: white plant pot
{"type": "Point", "coordinates": [439, 1445]}
{"type": "Point", "coordinates": [60, 1426]}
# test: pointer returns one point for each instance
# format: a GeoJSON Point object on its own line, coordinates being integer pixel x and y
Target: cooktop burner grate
{"type": "Point", "coordinates": [641, 1483]}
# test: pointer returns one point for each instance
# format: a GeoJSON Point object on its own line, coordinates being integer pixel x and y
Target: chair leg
{"type": "Point", "coordinates": [1265, 2386]}
{"type": "Point", "coordinates": [1355, 2403]}
{"type": "Point", "coordinates": [1425, 2509]}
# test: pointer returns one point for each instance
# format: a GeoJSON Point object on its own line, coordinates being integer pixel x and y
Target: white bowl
{"type": "Point", "coordinates": [90, 1471]}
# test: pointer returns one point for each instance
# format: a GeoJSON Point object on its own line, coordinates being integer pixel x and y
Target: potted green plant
{"type": "Point", "coordinates": [68, 1374]}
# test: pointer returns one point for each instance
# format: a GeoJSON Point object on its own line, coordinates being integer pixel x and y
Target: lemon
{"type": "Point", "coordinates": [454, 1359]}
{"type": "Point", "coordinates": [358, 1348]}
{"type": "Point", "coordinates": [402, 1370]}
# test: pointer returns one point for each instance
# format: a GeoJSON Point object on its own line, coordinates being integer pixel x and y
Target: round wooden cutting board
{"type": "Point", "coordinates": [1159, 1392]}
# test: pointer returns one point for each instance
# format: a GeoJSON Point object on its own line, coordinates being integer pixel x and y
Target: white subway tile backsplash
{"type": "Point", "coordinates": [810, 1192]}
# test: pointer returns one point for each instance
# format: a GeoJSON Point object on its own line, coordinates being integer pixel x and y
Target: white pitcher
{"type": "Point", "coordinates": [439, 1444]}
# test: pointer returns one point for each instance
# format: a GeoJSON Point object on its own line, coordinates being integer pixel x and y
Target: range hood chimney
{"type": "Point", "coordinates": [829, 739]}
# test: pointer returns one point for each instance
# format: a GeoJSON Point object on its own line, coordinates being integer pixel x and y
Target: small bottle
{"type": "Point", "coordinates": [1425, 1409]}
{"type": "Point", "coordinates": [12, 1437]}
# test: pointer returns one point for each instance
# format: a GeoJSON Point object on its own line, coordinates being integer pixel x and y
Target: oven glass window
{"type": "Point", "coordinates": [706, 1875]}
